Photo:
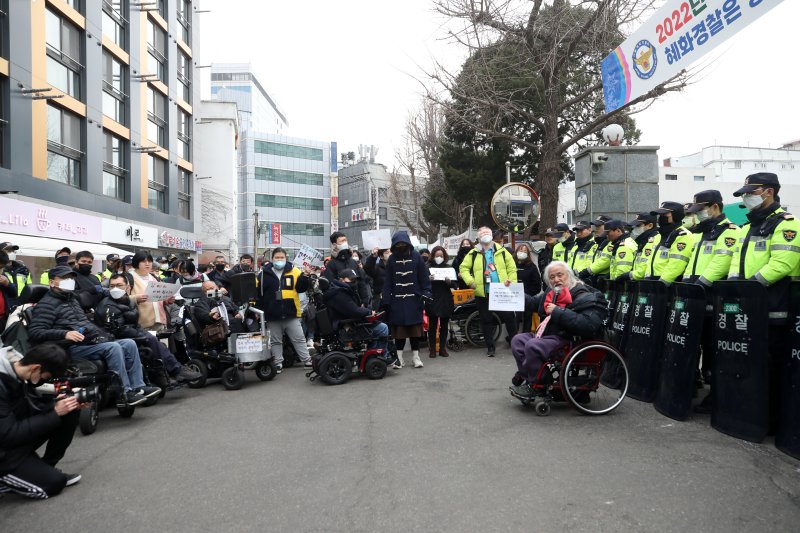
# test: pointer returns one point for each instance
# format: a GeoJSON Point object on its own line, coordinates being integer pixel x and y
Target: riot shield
{"type": "Point", "coordinates": [787, 439]}
{"type": "Point", "coordinates": [741, 378]}
{"type": "Point", "coordinates": [243, 288]}
{"type": "Point", "coordinates": [621, 291]}
{"type": "Point", "coordinates": [683, 329]}
{"type": "Point", "coordinates": [603, 287]}
{"type": "Point", "coordinates": [643, 335]}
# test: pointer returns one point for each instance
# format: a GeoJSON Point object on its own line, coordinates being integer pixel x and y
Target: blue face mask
{"type": "Point", "coordinates": [279, 264]}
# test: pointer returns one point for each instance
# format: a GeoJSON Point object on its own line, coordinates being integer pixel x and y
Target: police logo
{"type": "Point", "coordinates": [681, 246]}
{"type": "Point", "coordinates": [622, 255]}
{"type": "Point", "coordinates": [789, 235]}
{"type": "Point", "coordinates": [644, 59]}
{"type": "Point", "coordinates": [647, 252]}
{"type": "Point", "coordinates": [729, 241]}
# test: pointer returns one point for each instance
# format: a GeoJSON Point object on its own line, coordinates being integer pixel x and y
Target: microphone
{"type": "Point", "coordinates": [556, 292]}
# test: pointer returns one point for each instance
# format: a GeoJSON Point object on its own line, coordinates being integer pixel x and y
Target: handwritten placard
{"type": "Point", "coordinates": [249, 343]}
{"type": "Point", "coordinates": [158, 290]}
{"type": "Point", "coordinates": [307, 255]}
{"type": "Point", "coordinates": [441, 274]}
{"type": "Point", "coordinates": [502, 298]}
{"type": "Point", "coordinates": [376, 238]}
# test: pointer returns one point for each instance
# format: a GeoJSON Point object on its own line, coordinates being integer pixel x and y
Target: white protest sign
{"type": "Point", "coordinates": [249, 343]}
{"type": "Point", "coordinates": [158, 290]}
{"type": "Point", "coordinates": [440, 274]}
{"type": "Point", "coordinates": [502, 298]}
{"type": "Point", "coordinates": [675, 37]}
{"type": "Point", "coordinates": [307, 255]}
{"type": "Point", "coordinates": [376, 238]}
{"type": "Point", "coordinates": [452, 244]}
{"type": "Point", "coordinates": [224, 314]}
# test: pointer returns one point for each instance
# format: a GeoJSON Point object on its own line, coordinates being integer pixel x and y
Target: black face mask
{"type": "Point", "coordinates": [663, 220]}
{"type": "Point", "coordinates": [63, 260]}
{"type": "Point", "coordinates": [85, 269]}
{"type": "Point", "coordinates": [219, 268]}
{"type": "Point", "coordinates": [400, 249]}
{"type": "Point", "coordinates": [247, 268]}
{"type": "Point", "coordinates": [465, 249]}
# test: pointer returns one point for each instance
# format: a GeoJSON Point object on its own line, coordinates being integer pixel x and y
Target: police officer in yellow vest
{"type": "Point", "coordinates": [585, 245]}
{"type": "Point", "coordinates": [710, 262]}
{"type": "Point", "coordinates": [564, 248]}
{"type": "Point", "coordinates": [16, 270]}
{"type": "Point", "coordinates": [62, 259]}
{"type": "Point", "coordinates": [768, 251]}
{"type": "Point", "coordinates": [622, 249]}
{"type": "Point", "coordinates": [673, 251]}
{"type": "Point", "coordinates": [601, 262]}
{"type": "Point", "coordinates": [645, 235]}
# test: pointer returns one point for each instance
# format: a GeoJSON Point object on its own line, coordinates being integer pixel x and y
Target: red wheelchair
{"type": "Point", "coordinates": [590, 375]}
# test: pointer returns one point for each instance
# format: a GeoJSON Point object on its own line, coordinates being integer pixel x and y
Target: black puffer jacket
{"type": "Point", "coordinates": [344, 303]}
{"type": "Point", "coordinates": [344, 260]}
{"type": "Point", "coordinates": [582, 318]}
{"type": "Point", "coordinates": [56, 314]}
{"type": "Point", "coordinates": [376, 269]}
{"type": "Point", "coordinates": [528, 274]}
{"type": "Point", "coordinates": [121, 317]}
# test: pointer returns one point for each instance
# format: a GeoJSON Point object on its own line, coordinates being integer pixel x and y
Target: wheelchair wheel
{"type": "Point", "coordinates": [375, 369]}
{"type": "Point", "coordinates": [289, 353]}
{"type": "Point", "coordinates": [474, 329]}
{"type": "Point", "coordinates": [335, 368]}
{"type": "Point", "coordinates": [126, 411]}
{"type": "Point", "coordinates": [232, 379]}
{"type": "Point", "coordinates": [266, 370]}
{"type": "Point", "coordinates": [198, 366]}
{"type": "Point", "coordinates": [88, 419]}
{"type": "Point", "coordinates": [542, 408]}
{"type": "Point", "coordinates": [453, 343]}
{"type": "Point", "coordinates": [585, 381]}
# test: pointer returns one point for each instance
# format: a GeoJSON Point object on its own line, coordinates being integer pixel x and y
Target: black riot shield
{"type": "Point", "coordinates": [741, 384]}
{"type": "Point", "coordinates": [243, 288]}
{"type": "Point", "coordinates": [788, 438]}
{"type": "Point", "coordinates": [610, 296]}
{"type": "Point", "coordinates": [682, 332]}
{"type": "Point", "coordinates": [622, 292]}
{"type": "Point", "coordinates": [643, 336]}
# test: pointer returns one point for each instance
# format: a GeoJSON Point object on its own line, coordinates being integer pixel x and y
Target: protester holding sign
{"type": "Point", "coordinates": [570, 308]}
{"type": "Point", "coordinates": [375, 267]}
{"type": "Point", "coordinates": [152, 315]}
{"type": "Point", "coordinates": [441, 307]}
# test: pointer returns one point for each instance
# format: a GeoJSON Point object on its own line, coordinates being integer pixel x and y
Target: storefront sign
{"type": "Point", "coordinates": [167, 240]}
{"type": "Point", "coordinates": [274, 233]}
{"type": "Point", "coordinates": [26, 218]}
{"type": "Point", "coordinates": [118, 232]}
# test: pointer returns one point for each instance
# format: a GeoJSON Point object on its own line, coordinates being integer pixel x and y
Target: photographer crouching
{"type": "Point", "coordinates": [28, 420]}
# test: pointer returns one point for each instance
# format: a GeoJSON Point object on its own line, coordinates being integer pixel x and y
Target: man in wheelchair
{"type": "Point", "coordinates": [344, 303]}
{"type": "Point", "coordinates": [569, 309]}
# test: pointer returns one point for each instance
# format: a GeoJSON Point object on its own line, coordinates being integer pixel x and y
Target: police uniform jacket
{"type": "Point", "coordinates": [563, 251]}
{"type": "Point", "coordinates": [712, 252]}
{"type": "Point", "coordinates": [672, 255]}
{"type": "Point", "coordinates": [623, 251]}
{"type": "Point", "coordinates": [583, 253]}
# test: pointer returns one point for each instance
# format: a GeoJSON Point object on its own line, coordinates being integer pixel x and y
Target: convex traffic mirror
{"type": "Point", "coordinates": [515, 207]}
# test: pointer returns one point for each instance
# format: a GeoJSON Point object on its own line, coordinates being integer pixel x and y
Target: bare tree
{"type": "Point", "coordinates": [538, 64]}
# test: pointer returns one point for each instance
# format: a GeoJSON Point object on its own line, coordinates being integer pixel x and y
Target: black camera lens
{"type": "Point", "coordinates": [89, 394]}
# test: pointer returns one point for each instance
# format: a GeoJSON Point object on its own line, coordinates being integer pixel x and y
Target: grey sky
{"type": "Point", "coordinates": [344, 71]}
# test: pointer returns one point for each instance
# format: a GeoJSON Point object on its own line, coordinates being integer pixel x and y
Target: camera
{"type": "Point", "coordinates": [86, 391]}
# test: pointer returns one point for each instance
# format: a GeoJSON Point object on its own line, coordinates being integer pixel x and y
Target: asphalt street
{"type": "Point", "coordinates": [443, 448]}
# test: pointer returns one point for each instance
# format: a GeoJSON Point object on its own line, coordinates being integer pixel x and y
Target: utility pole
{"type": "Point", "coordinates": [255, 235]}
{"type": "Point", "coordinates": [508, 171]}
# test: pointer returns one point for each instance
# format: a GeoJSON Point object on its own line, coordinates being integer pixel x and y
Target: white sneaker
{"type": "Point", "coordinates": [279, 368]}
{"type": "Point", "coordinates": [417, 360]}
{"type": "Point", "coordinates": [310, 343]}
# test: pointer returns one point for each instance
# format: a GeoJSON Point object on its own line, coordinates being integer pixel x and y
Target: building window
{"type": "Point", "coordinates": [185, 77]}
{"type": "Point", "coordinates": [115, 166]}
{"type": "Point", "coordinates": [4, 100]}
{"type": "Point", "coordinates": [156, 51]}
{"type": "Point", "coordinates": [64, 53]}
{"type": "Point", "coordinates": [288, 150]}
{"type": "Point", "coordinates": [699, 178]}
{"type": "Point", "coordinates": [157, 184]}
{"type": "Point", "coordinates": [64, 142]}
{"type": "Point", "coordinates": [184, 135]}
{"type": "Point", "coordinates": [671, 177]}
{"type": "Point", "coordinates": [736, 164]}
{"type": "Point", "coordinates": [303, 230]}
{"type": "Point", "coordinates": [3, 28]}
{"type": "Point", "coordinates": [156, 117]}
{"type": "Point", "coordinates": [74, 4]}
{"type": "Point", "coordinates": [289, 202]}
{"type": "Point", "coordinates": [114, 88]}
{"type": "Point", "coordinates": [289, 176]}
{"type": "Point", "coordinates": [185, 20]}
{"type": "Point", "coordinates": [162, 8]}
{"type": "Point", "coordinates": [787, 166]}
{"type": "Point", "coordinates": [114, 21]}
{"type": "Point", "coordinates": [184, 193]}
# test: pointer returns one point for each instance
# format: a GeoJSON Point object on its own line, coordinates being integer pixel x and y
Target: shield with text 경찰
{"type": "Point", "coordinates": [741, 378]}
{"type": "Point", "coordinates": [681, 342]}
{"type": "Point", "coordinates": [619, 314]}
{"type": "Point", "coordinates": [648, 300]}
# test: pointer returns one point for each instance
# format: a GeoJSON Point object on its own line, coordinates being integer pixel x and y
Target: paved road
{"type": "Point", "coordinates": [444, 448]}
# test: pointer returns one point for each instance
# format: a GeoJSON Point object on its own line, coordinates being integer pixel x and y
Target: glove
{"type": "Point", "coordinates": [585, 273]}
{"type": "Point", "coordinates": [623, 277]}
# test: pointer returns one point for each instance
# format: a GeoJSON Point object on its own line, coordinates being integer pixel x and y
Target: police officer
{"type": "Point", "coordinates": [17, 271]}
{"type": "Point", "coordinates": [601, 262]}
{"type": "Point", "coordinates": [710, 262]}
{"type": "Point", "coordinates": [563, 249]}
{"type": "Point", "coordinates": [584, 246]}
{"type": "Point", "coordinates": [621, 248]}
{"type": "Point", "coordinates": [768, 251]}
{"type": "Point", "coordinates": [646, 236]}
{"type": "Point", "coordinates": [675, 247]}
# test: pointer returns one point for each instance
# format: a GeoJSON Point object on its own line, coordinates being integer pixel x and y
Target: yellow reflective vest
{"type": "Point", "coordinates": [672, 255]}
{"type": "Point", "coordinates": [623, 253]}
{"type": "Point", "coordinates": [712, 253]}
{"type": "Point", "coordinates": [643, 263]}
{"type": "Point", "coordinates": [583, 254]}
{"type": "Point", "coordinates": [563, 251]}
{"type": "Point", "coordinates": [769, 250]}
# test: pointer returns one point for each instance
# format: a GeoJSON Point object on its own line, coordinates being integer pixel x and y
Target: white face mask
{"type": "Point", "coordinates": [67, 284]}
{"type": "Point", "coordinates": [522, 256]}
{"type": "Point", "coordinates": [12, 256]}
{"type": "Point", "coordinates": [703, 215]}
{"type": "Point", "coordinates": [563, 237]}
{"type": "Point", "coordinates": [690, 221]}
{"type": "Point", "coordinates": [638, 230]}
{"type": "Point", "coordinates": [752, 201]}
{"type": "Point", "coordinates": [486, 239]}
{"type": "Point", "coordinates": [343, 246]}
{"type": "Point", "coordinates": [117, 293]}
{"type": "Point", "coordinates": [438, 260]}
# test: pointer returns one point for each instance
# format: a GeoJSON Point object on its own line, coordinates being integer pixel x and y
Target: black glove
{"type": "Point", "coordinates": [585, 273]}
{"type": "Point", "coordinates": [623, 277]}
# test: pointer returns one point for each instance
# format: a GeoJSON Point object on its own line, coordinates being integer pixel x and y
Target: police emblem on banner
{"type": "Point", "coordinates": [681, 246]}
{"type": "Point", "coordinates": [789, 235]}
{"type": "Point", "coordinates": [729, 241]}
{"type": "Point", "coordinates": [644, 59]}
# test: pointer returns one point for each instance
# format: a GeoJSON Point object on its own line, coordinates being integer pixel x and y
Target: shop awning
{"type": "Point", "coordinates": [46, 247]}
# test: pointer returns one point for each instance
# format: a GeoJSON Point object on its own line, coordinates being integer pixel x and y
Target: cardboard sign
{"type": "Point", "coordinates": [307, 255]}
{"type": "Point", "coordinates": [441, 274]}
{"type": "Point", "coordinates": [502, 298]}
{"type": "Point", "coordinates": [158, 291]}
{"type": "Point", "coordinates": [376, 238]}
{"type": "Point", "coordinates": [249, 343]}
